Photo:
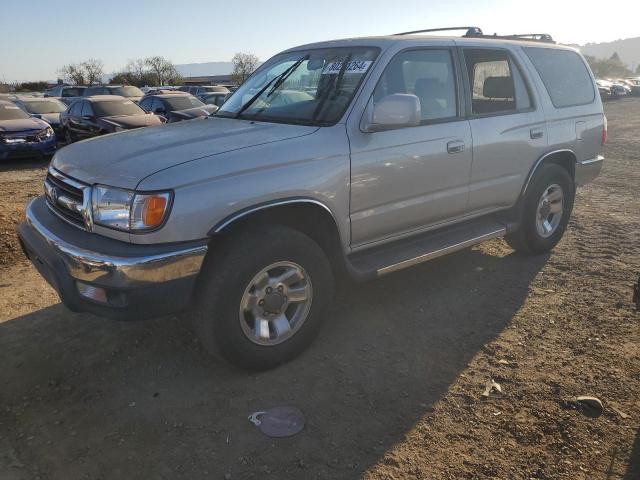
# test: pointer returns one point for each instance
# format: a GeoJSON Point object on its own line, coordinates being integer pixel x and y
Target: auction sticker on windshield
{"type": "Point", "coordinates": [356, 66]}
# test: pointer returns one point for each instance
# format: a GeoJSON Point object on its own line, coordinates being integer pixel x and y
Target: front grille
{"type": "Point", "coordinates": [65, 197]}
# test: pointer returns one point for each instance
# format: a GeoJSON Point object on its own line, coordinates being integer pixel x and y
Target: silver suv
{"type": "Point", "coordinates": [353, 157]}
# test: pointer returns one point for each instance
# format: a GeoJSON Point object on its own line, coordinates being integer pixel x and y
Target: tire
{"type": "Point", "coordinates": [225, 324]}
{"type": "Point", "coordinates": [529, 237]}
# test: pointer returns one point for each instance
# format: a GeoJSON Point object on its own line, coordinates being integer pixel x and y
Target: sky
{"type": "Point", "coordinates": [38, 37]}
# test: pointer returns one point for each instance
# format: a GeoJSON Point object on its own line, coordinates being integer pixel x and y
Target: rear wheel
{"type": "Point", "coordinates": [261, 296]}
{"type": "Point", "coordinates": [546, 208]}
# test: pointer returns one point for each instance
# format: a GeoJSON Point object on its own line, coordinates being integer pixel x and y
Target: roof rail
{"type": "Point", "coordinates": [476, 32]}
{"type": "Point", "coordinates": [471, 31]}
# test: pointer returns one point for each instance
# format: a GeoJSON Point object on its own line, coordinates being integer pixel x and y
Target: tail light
{"type": "Point", "coordinates": [605, 134]}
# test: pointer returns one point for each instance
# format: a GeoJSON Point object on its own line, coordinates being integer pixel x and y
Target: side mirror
{"type": "Point", "coordinates": [393, 111]}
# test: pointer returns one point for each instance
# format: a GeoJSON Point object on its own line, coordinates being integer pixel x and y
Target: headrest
{"type": "Point", "coordinates": [498, 87]}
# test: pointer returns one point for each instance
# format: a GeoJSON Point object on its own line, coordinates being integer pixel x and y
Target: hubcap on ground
{"type": "Point", "coordinates": [550, 209]}
{"type": "Point", "coordinates": [276, 303]}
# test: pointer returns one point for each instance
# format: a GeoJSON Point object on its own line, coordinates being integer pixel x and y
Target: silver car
{"type": "Point", "coordinates": [354, 157]}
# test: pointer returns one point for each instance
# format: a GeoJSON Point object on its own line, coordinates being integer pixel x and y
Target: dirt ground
{"type": "Point", "coordinates": [391, 389]}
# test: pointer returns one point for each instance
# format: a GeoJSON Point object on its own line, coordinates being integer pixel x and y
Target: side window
{"type": "Point", "coordinates": [427, 74]}
{"type": "Point", "coordinates": [564, 74]}
{"type": "Point", "coordinates": [157, 105]}
{"type": "Point", "coordinates": [74, 111]}
{"type": "Point", "coordinates": [145, 104]}
{"type": "Point", "coordinates": [87, 109]}
{"type": "Point", "coordinates": [495, 83]}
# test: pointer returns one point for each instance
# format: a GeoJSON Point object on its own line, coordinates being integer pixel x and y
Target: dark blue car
{"type": "Point", "coordinates": [23, 136]}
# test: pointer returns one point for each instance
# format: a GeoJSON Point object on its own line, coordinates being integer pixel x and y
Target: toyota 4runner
{"type": "Point", "coordinates": [357, 157]}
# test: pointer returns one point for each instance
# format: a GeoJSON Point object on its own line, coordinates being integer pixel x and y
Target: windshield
{"type": "Point", "coordinates": [311, 88]}
{"type": "Point", "coordinates": [127, 91]}
{"type": "Point", "coordinates": [11, 112]}
{"type": "Point", "coordinates": [183, 102]}
{"type": "Point", "coordinates": [116, 107]}
{"type": "Point", "coordinates": [73, 91]}
{"type": "Point", "coordinates": [44, 106]}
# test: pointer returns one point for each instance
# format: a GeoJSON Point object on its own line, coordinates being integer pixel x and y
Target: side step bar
{"type": "Point", "coordinates": [405, 253]}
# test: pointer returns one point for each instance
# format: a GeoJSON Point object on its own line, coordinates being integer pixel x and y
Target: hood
{"type": "Point", "coordinates": [22, 124]}
{"type": "Point", "coordinates": [203, 111]}
{"type": "Point", "coordinates": [131, 121]}
{"type": "Point", "coordinates": [125, 158]}
{"type": "Point", "coordinates": [50, 118]}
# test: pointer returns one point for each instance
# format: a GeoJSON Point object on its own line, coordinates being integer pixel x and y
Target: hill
{"type": "Point", "coordinates": [628, 49]}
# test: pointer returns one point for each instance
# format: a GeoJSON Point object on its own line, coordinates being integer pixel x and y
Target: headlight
{"type": "Point", "coordinates": [45, 134]}
{"type": "Point", "coordinates": [127, 210]}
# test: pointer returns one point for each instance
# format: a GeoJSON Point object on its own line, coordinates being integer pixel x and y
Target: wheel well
{"type": "Point", "coordinates": [566, 159]}
{"type": "Point", "coordinates": [309, 218]}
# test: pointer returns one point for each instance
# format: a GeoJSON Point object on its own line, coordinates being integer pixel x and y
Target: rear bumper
{"type": "Point", "coordinates": [108, 277]}
{"type": "Point", "coordinates": [588, 170]}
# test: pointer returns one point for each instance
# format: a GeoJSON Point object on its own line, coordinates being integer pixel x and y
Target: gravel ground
{"type": "Point", "coordinates": [391, 389]}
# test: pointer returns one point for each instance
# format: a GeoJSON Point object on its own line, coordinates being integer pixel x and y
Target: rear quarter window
{"type": "Point", "coordinates": [564, 74]}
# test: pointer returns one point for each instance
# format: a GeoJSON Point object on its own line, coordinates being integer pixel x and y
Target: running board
{"type": "Point", "coordinates": [405, 253]}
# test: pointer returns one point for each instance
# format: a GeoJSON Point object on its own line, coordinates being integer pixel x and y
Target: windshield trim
{"type": "Point", "coordinates": [312, 123]}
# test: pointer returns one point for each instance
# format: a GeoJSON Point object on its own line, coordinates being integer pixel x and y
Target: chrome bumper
{"type": "Point", "coordinates": [588, 170]}
{"type": "Point", "coordinates": [119, 271]}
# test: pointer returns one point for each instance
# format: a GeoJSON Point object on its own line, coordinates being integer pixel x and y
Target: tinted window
{"type": "Point", "coordinates": [11, 112]}
{"type": "Point", "coordinates": [495, 83]}
{"type": "Point", "coordinates": [116, 107]}
{"type": "Point", "coordinates": [75, 108]}
{"type": "Point", "coordinates": [564, 75]}
{"type": "Point", "coordinates": [146, 103]}
{"type": "Point", "coordinates": [87, 110]}
{"type": "Point", "coordinates": [73, 92]}
{"type": "Point", "coordinates": [183, 102]}
{"type": "Point", "coordinates": [427, 74]}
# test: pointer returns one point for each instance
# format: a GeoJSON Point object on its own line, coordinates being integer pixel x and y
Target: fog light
{"type": "Point", "coordinates": [97, 294]}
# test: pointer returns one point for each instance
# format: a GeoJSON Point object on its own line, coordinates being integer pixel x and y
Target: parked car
{"type": "Point", "coordinates": [65, 93]}
{"type": "Point", "coordinates": [48, 109]}
{"type": "Point", "coordinates": [8, 97]}
{"type": "Point", "coordinates": [408, 148]}
{"type": "Point", "coordinates": [213, 98]}
{"type": "Point", "coordinates": [604, 88]}
{"type": "Point", "coordinates": [100, 114]}
{"type": "Point", "coordinates": [22, 135]}
{"type": "Point", "coordinates": [176, 106]}
{"type": "Point", "coordinates": [127, 91]}
{"type": "Point", "coordinates": [196, 90]}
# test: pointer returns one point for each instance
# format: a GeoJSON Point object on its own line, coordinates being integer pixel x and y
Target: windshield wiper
{"type": "Point", "coordinates": [336, 86]}
{"type": "Point", "coordinates": [278, 81]}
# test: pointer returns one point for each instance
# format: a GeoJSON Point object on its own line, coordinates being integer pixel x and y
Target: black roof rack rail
{"type": "Point", "coordinates": [476, 32]}
{"type": "Point", "coordinates": [471, 31]}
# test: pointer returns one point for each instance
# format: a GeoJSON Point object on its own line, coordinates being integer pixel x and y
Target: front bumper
{"type": "Point", "coordinates": [28, 149]}
{"type": "Point", "coordinates": [107, 277]}
{"type": "Point", "coordinates": [588, 170]}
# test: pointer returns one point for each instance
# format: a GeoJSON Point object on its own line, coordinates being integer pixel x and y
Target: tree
{"type": "Point", "coordinates": [72, 73]}
{"type": "Point", "coordinates": [244, 64]}
{"type": "Point", "coordinates": [164, 71]}
{"type": "Point", "coordinates": [608, 67]}
{"type": "Point", "coordinates": [31, 86]}
{"type": "Point", "coordinates": [93, 70]}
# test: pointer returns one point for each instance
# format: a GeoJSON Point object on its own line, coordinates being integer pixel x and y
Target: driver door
{"type": "Point", "coordinates": [411, 178]}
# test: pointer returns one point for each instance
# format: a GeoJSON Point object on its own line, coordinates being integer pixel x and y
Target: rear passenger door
{"type": "Point", "coordinates": [406, 179]}
{"type": "Point", "coordinates": [508, 128]}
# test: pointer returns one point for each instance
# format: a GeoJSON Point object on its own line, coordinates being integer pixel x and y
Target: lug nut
{"type": "Point", "coordinates": [269, 290]}
{"type": "Point", "coordinates": [280, 288]}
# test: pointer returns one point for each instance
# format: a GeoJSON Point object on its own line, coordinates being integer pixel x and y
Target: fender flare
{"type": "Point", "coordinates": [229, 219]}
{"type": "Point", "coordinates": [541, 162]}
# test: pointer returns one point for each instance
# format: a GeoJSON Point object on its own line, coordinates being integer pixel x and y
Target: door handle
{"type": "Point", "coordinates": [536, 133]}
{"type": "Point", "coordinates": [455, 146]}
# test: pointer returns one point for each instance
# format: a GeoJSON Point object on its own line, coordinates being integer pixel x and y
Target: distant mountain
{"type": "Point", "coordinates": [204, 69]}
{"type": "Point", "coordinates": [628, 49]}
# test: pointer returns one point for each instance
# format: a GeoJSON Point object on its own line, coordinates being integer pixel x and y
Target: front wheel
{"type": "Point", "coordinates": [546, 208]}
{"type": "Point", "coordinates": [261, 297]}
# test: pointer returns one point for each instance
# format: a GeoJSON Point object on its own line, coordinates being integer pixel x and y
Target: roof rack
{"type": "Point", "coordinates": [476, 32]}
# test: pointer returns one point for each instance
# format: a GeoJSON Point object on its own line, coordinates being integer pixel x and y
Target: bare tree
{"type": "Point", "coordinates": [164, 71]}
{"type": "Point", "coordinates": [136, 69]}
{"type": "Point", "coordinates": [72, 73]}
{"type": "Point", "coordinates": [93, 70]}
{"type": "Point", "coordinates": [244, 64]}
